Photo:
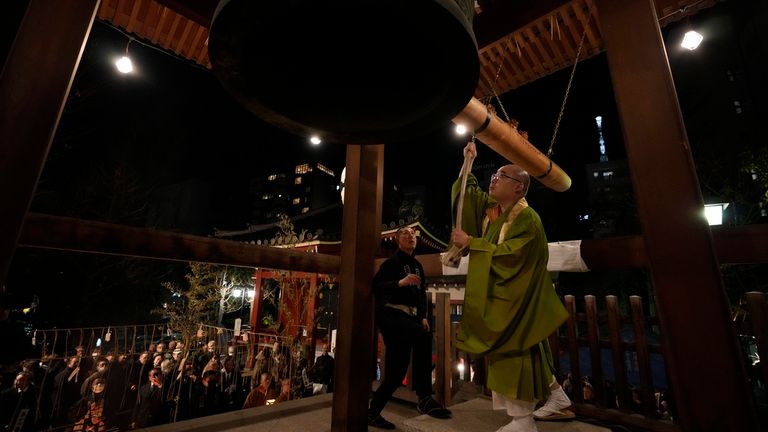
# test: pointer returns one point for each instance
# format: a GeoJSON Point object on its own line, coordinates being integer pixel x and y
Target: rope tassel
{"type": "Point", "coordinates": [452, 258]}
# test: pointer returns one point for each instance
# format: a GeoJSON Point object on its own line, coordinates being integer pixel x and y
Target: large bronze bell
{"type": "Point", "coordinates": [349, 71]}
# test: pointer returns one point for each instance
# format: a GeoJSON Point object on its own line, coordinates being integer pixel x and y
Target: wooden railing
{"type": "Point", "coordinates": [599, 330]}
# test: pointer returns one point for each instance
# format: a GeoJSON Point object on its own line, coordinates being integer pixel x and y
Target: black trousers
{"type": "Point", "coordinates": [402, 335]}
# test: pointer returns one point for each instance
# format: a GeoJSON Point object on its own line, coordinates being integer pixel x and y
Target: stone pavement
{"type": "Point", "coordinates": [477, 415]}
{"type": "Point", "coordinates": [314, 415]}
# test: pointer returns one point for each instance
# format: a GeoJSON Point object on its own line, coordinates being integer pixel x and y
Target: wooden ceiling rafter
{"type": "Point", "coordinates": [543, 46]}
{"type": "Point", "coordinates": [542, 40]}
{"type": "Point", "coordinates": [555, 52]}
{"type": "Point", "coordinates": [159, 25]}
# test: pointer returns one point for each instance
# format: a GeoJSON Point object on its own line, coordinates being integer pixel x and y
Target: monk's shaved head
{"type": "Point", "coordinates": [520, 174]}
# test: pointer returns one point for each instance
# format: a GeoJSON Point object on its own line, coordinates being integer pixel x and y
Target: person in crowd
{"type": "Point", "coordinates": [12, 334]}
{"type": "Point", "coordinates": [150, 409]}
{"type": "Point", "coordinates": [204, 356]}
{"type": "Point", "coordinates": [90, 413]}
{"type": "Point", "coordinates": [323, 370]}
{"type": "Point", "coordinates": [401, 317]}
{"type": "Point", "coordinates": [101, 372]}
{"type": "Point", "coordinates": [231, 386]}
{"type": "Point", "coordinates": [65, 391]}
{"type": "Point", "coordinates": [285, 390]}
{"type": "Point", "coordinates": [510, 304]}
{"type": "Point", "coordinates": [206, 398]}
{"type": "Point", "coordinates": [260, 394]}
{"type": "Point", "coordinates": [86, 365]}
{"type": "Point", "coordinates": [18, 405]}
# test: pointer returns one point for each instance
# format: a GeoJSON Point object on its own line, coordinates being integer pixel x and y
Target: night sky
{"type": "Point", "coordinates": [172, 121]}
{"type": "Point", "coordinates": [123, 138]}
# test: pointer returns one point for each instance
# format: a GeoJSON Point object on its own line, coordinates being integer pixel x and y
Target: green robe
{"type": "Point", "coordinates": [510, 305]}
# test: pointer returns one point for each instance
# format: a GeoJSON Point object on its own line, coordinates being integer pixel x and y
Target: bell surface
{"type": "Point", "coordinates": [353, 72]}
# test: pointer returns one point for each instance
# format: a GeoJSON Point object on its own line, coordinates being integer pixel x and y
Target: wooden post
{"type": "Point", "coordinates": [444, 366]}
{"type": "Point", "coordinates": [34, 86]}
{"type": "Point", "coordinates": [693, 309]}
{"type": "Point", "coordinates": [360, 240]}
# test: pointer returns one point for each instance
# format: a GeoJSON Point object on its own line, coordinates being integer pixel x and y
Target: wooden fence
{"type": "Point", "coordinates": [601, 329]}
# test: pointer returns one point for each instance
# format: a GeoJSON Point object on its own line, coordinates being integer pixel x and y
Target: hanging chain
{"type": "Point", "coordinates": [570, 81]}
{"type": "Point", "coordinates": [495, 79]}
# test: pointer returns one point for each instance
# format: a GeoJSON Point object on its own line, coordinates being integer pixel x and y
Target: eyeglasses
{"type": "Point", "coordinates": [496, 176]}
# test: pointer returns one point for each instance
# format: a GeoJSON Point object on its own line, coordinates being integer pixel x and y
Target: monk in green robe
{"type": "Point", "coordinates": [510, 305]}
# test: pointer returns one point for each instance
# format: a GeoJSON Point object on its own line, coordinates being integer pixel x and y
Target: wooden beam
{"type": "Point", "coordinates": [692, 306]}
{"type": "Point", "coordinates": [736, 245]}
{"type": "Point", "coordinates": [741, 245]}
{"type": "Point", "coordinates": [34, 85]}
{"type": "Point", "coordinates": [62, 233]}
{"type": "Point", "coordinates": [361, 238]}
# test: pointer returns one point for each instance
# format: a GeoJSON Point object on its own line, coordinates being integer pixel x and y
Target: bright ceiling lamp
{"type": "Point", "coordinates": [124, 64]}
{"type": "Point", "coordinates": [315, 140]}
{"type": "Point", "coordinates": [691, 40]}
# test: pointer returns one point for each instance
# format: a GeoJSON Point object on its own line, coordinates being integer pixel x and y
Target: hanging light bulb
{"type": "Point", "coordinates": [691, 40]}
{"type": "Point", "coordinates": [124, 64]}
{"type": "Point", "coordinates": [461, 129]}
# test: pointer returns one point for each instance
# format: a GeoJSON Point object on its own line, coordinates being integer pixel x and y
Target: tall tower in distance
{"type": "Point", "coordinates": [601, 140]}
{"type": "Point", "coordinates": [611, 204]}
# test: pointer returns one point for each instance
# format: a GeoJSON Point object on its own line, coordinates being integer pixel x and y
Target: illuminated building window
{"type": "Point", "coordinates": [297, 180]}
{"type": "Point", "coordinates": [267, 196]}
{"type": "Point", "coordinates": [303, 169]}
{"type": "Point", "coordinates": [305, 209]}
{"type": "Point", "coordinates": [272, 177]}
{"type": "Point", "coordinates": [297, 200]}
{"type": "Point", "coordinates": [326, 170]}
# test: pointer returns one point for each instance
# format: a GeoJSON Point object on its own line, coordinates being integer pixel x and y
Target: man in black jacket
{"type": "Point", "coordinates": [401, 317]}
{"type": "Point", "coordinates": [150, 409]}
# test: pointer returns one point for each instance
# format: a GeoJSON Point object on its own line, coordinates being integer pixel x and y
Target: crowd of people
{"type": "Point", "coordinates": [95, 391]}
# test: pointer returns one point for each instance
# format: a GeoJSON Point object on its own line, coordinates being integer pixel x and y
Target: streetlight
{"type": "Point", "coordinates": [714, 213]}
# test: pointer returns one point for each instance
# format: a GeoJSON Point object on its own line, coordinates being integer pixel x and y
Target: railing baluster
{"type": "Point", "coordinates": [617, 351]}
{"type": "Point", "coordinates": [573, 348]}
{"type": "Point", "coordinates": [593, 335]}
{"type": "Point", "coordinates": [759, 320]}
{"type": "Point", "coordinates": [554, 346]}
{"type": "Point", "coordinates": [643, 359]}
{"type": "Point", "coordinates": [444, 367]}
